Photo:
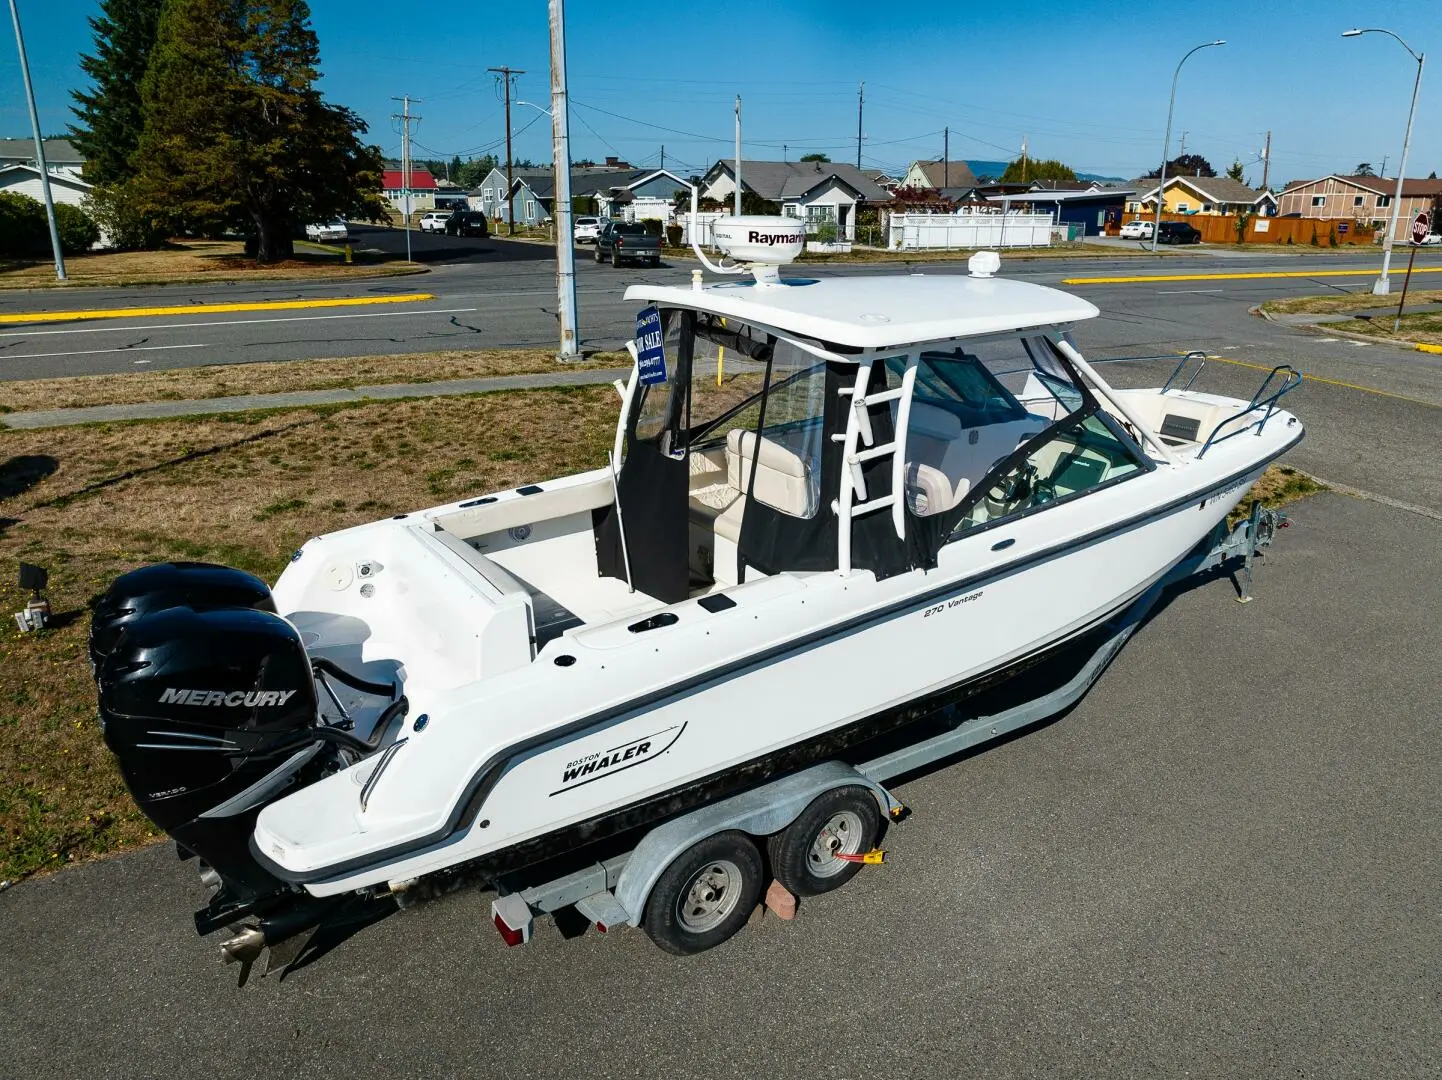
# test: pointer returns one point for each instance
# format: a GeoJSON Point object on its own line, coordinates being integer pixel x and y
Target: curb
{"type": "Point", "coordinates": [1326, 328]}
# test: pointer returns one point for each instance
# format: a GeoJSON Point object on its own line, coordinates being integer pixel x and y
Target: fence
{"type": "Point", "coordinates": [1222, 229]}
{"type": "Point", "coordinates": [918, 232]}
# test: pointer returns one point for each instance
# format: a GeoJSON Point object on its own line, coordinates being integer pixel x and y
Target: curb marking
{"type": "Point", "coordinates": [191, 309]}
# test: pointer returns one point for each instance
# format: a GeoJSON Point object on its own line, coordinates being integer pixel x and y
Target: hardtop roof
{"type": "Point", "coordinates": [880, 311]}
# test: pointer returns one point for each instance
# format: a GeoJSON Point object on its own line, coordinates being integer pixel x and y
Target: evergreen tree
{"type": "Point", "coordinates": [236, 134]}
{"type": "Point", "coordinates": [1016, 173]}
{"type": "Point", "coordinates": [1235, 172]}
{"type": "Point", "coordinates": [108, 131]}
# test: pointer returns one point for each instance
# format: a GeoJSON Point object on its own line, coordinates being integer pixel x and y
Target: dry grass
{"type": "Point", "coordinates": [1341, 303]}
{"type": "Point", "coordinates": [244, 490]}
{"type": "Point", "coordinates": [1278, 486]}
{"type": "Point", "coordinates": [190, 384]}
{"type": "Point", "coordinates": [1425, 329]}
{"type": "Point", "coordinates": [194, 261]}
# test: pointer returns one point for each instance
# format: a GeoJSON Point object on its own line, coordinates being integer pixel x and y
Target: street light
{"type": "Point", "coordinates": [40, 162]}
{"type": "Point", "coordinates": [1381, 287]}
{"type": "Point", "coordinates": [1167, 140]}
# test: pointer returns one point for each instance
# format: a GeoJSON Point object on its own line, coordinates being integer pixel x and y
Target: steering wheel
{"type": "Point", "coordinates": [1014, 491]}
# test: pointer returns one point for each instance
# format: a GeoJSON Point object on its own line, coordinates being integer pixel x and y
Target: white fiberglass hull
{"type": "Point", "coordinates": [506, 762]}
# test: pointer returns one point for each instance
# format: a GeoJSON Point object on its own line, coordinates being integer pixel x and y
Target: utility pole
{"type": "Point", "coordinates": [946, 157]}
{"type": "Point", "coordinates": [860, 101]}
{"type": "Point", "coordinates": [663, 155]}
{"type": "Point", "coordinates": [1182, 150]}
{"type": "Point", "coordinates": [39, 147]}
{"type": "Point", "coordinates": [738, 155]}
{"type": "Point", "coordinates": [406, 119]}
{"type": "Point", "coordinates": [1266, 160]}
{"type": "Point", "coordinates": [1023, 159]}
{"type": "Point", "coordinates": [561, 164]}
{"type": "Point", "coordinates": [506, 75]}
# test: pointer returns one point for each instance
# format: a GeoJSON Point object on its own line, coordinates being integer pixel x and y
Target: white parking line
{"type": "Point", "coordinates": [240, 322]}
{"type": "Point", "coordinates": [97, 352]}
{"type": "Point", "coordinates": [1178, 292]}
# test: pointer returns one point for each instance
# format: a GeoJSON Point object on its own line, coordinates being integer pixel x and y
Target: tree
{"type": "Point", "coordinates": [237, 136]}
{"type": "Point", "coordinates": [1234, 172]}
{"type": "Point", "coordinates": [815, 157]}
{"type": "Point", "coordinates": [109, 113]}
{"type": "Point", "coordinates": [1017, 173]}
{"type": "Point", "coordinates": [472, 172]}
{"type": "Point", "coordinates": [1187, 165]}
{"type": "Point", "coordinates": [1364, 169]}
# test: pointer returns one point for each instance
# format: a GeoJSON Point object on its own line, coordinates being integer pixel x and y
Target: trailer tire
{"type": "Point", "coordinates": [705, 895]}
{"type": "Point", "coordinates": [844, 819]}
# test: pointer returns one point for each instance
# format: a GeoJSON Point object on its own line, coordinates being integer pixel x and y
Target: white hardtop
{"type": "Point", "coordinates": [880, 311]}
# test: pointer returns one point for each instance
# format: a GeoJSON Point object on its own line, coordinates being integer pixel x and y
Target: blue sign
{"type": "Point", "coordinates": [650, 353]}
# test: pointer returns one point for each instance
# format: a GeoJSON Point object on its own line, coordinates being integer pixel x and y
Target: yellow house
{"type": "Point", "coordinates": [1210, 195]}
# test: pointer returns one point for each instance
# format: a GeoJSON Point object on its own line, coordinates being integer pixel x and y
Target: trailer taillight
{"type": "Point", "coordinates": [512, 916]}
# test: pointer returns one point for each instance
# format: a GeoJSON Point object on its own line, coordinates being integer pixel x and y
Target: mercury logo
{"type": "Point", "coordinates": [233, 699]}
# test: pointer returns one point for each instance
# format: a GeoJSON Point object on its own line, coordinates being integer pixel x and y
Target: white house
{"type": "Point", "coordinates": [65, 187]}
{"type": "Point", "coordinates": [818, 192]}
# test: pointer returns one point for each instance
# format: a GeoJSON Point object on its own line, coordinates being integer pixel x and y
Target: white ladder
{"type": "Point", "coordinates": [859, 445]}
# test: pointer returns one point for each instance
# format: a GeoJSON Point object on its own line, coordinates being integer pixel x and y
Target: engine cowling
{"type": "Point", "coordinates": [212, 714]}
{"type": "Point", "coordinates": [200, 586]}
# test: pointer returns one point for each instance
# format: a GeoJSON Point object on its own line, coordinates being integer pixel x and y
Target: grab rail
{"type": "Point", "coordinates": [1201, 359]}
{"type": "Point", "coordinates": [1291, 379]}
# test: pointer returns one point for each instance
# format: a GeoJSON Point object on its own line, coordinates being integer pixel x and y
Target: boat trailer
{"type": "Point", "coordinates": [616, 891]}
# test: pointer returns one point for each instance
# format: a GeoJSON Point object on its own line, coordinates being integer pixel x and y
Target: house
{"type": "Point", "coordinates": [1203, 195]}
{"type": "Point", "coordinates": [65, 186]}
{"type": "Point", "coordinates": [819, 192]}
{"type": "Point", "coordinates": [1090, 206]}
{"type": "Point", "coordinates": [939, 174]}
{"type": "Point", "coordinates": [1361, 198]}
{"type": "Point", "coordinates": [884, 180]}
{"type": "Point", "coordinates": [628, 193]}
{"type": "Point", "coordinates": [60, 155]}
{"type": "Point", "coordinates": [422, 186]}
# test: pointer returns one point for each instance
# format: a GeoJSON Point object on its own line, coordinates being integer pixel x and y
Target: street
{"type": "Point", "coordinates": [1221, 862]}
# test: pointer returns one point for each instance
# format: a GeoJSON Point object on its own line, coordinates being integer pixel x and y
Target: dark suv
{"type": "Point", "coordinates": [467, 223]}
{"type": "Point", "coordinates": [1178, 232]}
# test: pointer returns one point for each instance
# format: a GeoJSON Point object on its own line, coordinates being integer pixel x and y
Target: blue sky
{"type": "Point", "coordinates": [1084, 81]}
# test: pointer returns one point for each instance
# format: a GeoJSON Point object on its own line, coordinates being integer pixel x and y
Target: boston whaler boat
{"type": "Point", "coordinates": [832, 506]}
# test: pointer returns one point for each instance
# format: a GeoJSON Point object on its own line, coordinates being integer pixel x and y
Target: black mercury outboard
{"type": "Point", "coordinates": [208, 701]}
{"type": "Point", "coordinates": [202, 586]}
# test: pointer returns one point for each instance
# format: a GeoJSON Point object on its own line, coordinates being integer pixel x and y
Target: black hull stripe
{"type": "Point", "coordinates": [485, 779]}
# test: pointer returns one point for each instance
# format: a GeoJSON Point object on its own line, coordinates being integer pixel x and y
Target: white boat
{"type": "Point", "coordinates": [832, 505]}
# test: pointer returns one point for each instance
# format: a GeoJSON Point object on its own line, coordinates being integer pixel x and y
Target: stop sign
{"type": "Point", "coordinates": [1419, 227]}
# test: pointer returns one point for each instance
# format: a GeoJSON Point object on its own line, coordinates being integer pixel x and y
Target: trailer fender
{"type": "Point", "coordinates": [760, 812]}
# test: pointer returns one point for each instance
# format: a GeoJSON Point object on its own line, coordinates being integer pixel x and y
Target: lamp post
{"type": "Point", "coordinates": [561, 165]}
{"type": "Point", "coordinates": [1167, 141]}
{"type": "Point", "coordinates": [1381, 287]}
{"type": "Point", "coordinates": [40, 162]}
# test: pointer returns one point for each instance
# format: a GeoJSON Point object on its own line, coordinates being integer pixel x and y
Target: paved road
{"type": "Point", "coordinates": [501, 293]}
{"type": "Point", "coordinates": [1222, 863]}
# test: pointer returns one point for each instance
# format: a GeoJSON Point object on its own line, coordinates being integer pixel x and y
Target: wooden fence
{"type": "Point", "coordinates": [1222, 229]}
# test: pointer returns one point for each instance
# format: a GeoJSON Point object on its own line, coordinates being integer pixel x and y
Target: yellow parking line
{"type": "Point", "coordinates": [191, 309]}
{"type": "Point", "coordinates": [1237, 276]}
{"type": "Point", "coordinates": [1332, 382]}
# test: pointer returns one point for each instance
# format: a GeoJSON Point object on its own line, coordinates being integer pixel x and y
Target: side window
{"type": "Point", "coordinates": [1078, 457]}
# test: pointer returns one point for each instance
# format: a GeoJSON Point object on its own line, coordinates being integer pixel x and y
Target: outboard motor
{"type": "Point", "coordinates": [201, 586]}
{"type": "Point", "coordinates": [212, 712]}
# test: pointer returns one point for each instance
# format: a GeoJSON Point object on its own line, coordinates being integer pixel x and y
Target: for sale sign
{"type": "Point", "coordinates": [650, 353]}
{"type": "Point", "coordinates": [1419, 228]}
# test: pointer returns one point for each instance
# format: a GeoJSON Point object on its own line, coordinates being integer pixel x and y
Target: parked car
{"type": "Point", "coordinates": [1137, 230]}
{"type": "Point", "coordinates": [467, 223]}
{"type": "Point", "coordinates": [434, 220]}
{"type": "Point", "coordinates": [327, 232]}
{"type": "Point", "coordinates": [1432, 238]}
{"type": "Point", "coordinates": [627, 241]}
{"type": "Point", "coordinates": [585, 229]}
{"type": "Point", "coordinates": [1178, 232]}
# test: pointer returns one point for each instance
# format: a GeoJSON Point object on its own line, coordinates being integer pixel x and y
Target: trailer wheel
{"type": "Point", "coordinates": [843, 821]}
{"type": "Point", "coordinates": [705, 895]}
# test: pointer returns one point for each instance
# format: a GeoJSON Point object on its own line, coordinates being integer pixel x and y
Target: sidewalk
{"type": "Point", "coordinates": [159, 410]}
{"type": "Point", "coordinates": [1307, 318]}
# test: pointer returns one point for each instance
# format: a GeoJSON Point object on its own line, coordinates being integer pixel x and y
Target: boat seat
{"type": "Point", "coordinates": [944, 459]}
{"type": "Point", "coordinates": [782, 481]}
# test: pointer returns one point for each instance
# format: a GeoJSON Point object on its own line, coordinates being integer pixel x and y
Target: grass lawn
{"type": "Point", "coordinates": [1341, 303]}
{"type": "Point", "coordinates": [92, 502]}
{"type": "Point", "coordinates": [223, 380]}
{"type": "Point", "coordinates": [245, 489]}
{"type": "Point", "coordinates": [196, 261]}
